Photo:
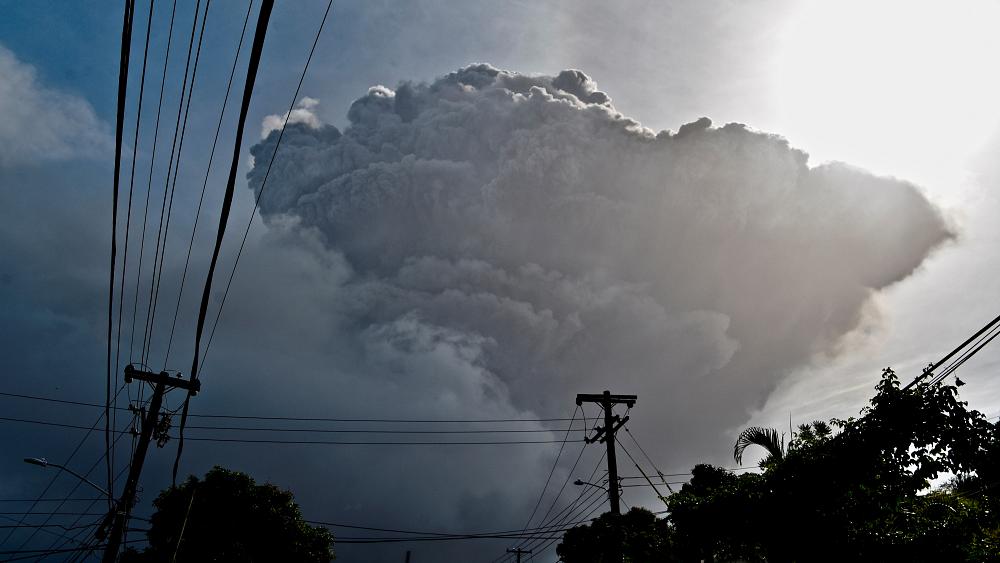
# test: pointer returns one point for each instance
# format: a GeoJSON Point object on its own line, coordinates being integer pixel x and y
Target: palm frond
{"type": "Point", "coordinates": [767, 438]}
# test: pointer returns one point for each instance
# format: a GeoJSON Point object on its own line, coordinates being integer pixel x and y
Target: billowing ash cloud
{"type": "Point", "coordinates": [521, 226]}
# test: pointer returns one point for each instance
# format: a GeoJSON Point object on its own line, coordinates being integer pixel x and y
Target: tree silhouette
{"type": "Point", "coordinates": [766, 438]}
{"type": "Point", "coordinates": [228, 517]}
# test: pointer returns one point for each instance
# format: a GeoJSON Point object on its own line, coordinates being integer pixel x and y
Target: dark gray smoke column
{"type": "Point", "coordinates": [562, 247]}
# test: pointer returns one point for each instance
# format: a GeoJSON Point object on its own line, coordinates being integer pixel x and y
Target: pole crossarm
{"type": "Point", "coordinates": [627, 400]}
{"type": "Point", "coordinates": [519, 552]}
{"type": "Point", "coordinates": [163, 377]}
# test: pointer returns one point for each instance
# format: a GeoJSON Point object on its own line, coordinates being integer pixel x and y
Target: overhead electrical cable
{"type": "Point", "coordinates": [552, 470]}
{"type": "Point", "coordinates": [149, 183]}
{"type": "Point", "coordinates": [37, 552]}
{"type": "Point", "coordinates": [930, 369]}
{"type": "Point", "coordinates": [59, 471]}
{"type": "Point", "coordinates": [176, 146]}
{"type": "Point", "coordinates": [317, 442]}
{"type": "Point", "coordinates": [260, 193]}
{"type": "Point", "coordinates": [563, 514]}
{"type": "Point", "coordinates": [77, 486]}
{"type": "Point", "coordinates": [579, 514]}
{"type": "Point", "coordinates": [309, 419]}
{"type": "Point", "coordinates": [76, 535]}
{"type": "Point", "coordinates": [119, 131]}
{"type": "Point", "coordinates": [45, 530]}
{"type": "Point", "coordinates": [957, 363]}
{"type": "Point", "coordinates": [128, 215]}
{"type": "Point", "coordinates": [425, 533]}
{"type": "Point", "coordinates": [569, 475]}
{"type": "Point", "coordinates": [649, 459]}
{"type": "Point", "coordinates": [204, 185]}
{"type": "Point", "coordinates": [543, 548]}
{"type": "Point", "coordinates": [255, 51]}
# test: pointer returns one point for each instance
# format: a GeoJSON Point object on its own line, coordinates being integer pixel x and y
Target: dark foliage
{"type": "Point", "coordinates": [641, 534]}
{"type": "Point", "coordinates": [852, 490]}
{"type": "Point", "coordinates": [232, 519]}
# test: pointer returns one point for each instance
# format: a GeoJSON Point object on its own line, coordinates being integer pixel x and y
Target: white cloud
{"type": "Point", "coordinates": [301, 113]}
{"type": "Point", "coordinates": [40, 124]}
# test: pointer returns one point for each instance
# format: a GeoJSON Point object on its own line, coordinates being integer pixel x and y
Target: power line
{"type": "Point", "coordinates": [179, 132]}
{"type": "Point", "coordinates": [256, 48]}
{"type": "Point", "coordinates": [67, 499]}
{"type": "Point", "coordinates": [60, 535]}
{"type": "Point", "coordinates": [562, 488]}
{"type": "Point", "coordinates": [204, 185]}
{"type": "Point", "coordinates": [308, 419]}
{"type": "Point", "coordinates": [930, 369]}
{"type": "Point", "coordinates": [256, 204]}
{"type": "Point", "coordinates": [429, 534]}
{"type": "Point", "coordinates": [37, 552]}
{"type": "Point", "coordinates": [128, 214]}
{"type": "Point", "coordinates": [315, 442]}
{"type": "Point", "coordinates": [551, 471]}
{"type": "Point", "coordinates": [980, 344]}
{"type": "Point", "coordinates": [551, 542]}
{"type": "Point", "coordinates": [149, 183]}
{"type": "Point", "coordinates": [565, 513]}
{"type": "Point", "coordinates": [77, 486]}
{"type": "Point", "coordinates": [119, 133]}
{"type": "Point", "coordinates": [59, 471]}
{"type": "Point", "coordinates": [538, 545]}
{"type": "Point", "coordinates": [56, 544]}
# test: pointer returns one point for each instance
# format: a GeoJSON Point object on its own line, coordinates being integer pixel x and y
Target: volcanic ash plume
{"type": "Point", "coordinates": [561, 247]}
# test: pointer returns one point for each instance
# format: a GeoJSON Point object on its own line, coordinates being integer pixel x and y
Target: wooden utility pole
{"type": "Point", "coordinates": [519, 552]}
{"type": "Point", "coordinates": [162, 382]}
{"type": "Point", "coordinates": [606, 434]}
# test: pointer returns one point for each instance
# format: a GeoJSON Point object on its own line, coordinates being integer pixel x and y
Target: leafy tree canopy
{"type": "Point", "coordinates": [641, 534]}
{"type": "Point", "coordinates": [227, 516]}
{"type": "Point", "coordinates": [849, 490]}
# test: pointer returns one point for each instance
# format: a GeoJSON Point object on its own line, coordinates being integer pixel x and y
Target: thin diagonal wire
{"type": "Point", "coordinates": [266, 7]}
{"type": "Point", "coordinates": [73, 490]}
{"type": "Point", "coordinates": [649, 459]}
{"type": "Point", "coordinates": [551, 471]}
{"type": "Point", "coordinates": [204, 185]}
{"type": "Point", "coordinates": [119, 133]}
{"type": "Point", "coordinates": [60, 471]}
{"type": "Point", "coordinates": [980, 344]}
{"type": "Point", "coordinates": [65, 542]}
{"type": "Point", "coordinates": [149, 183]}
{"type": "Point", "coordinates": [263, 184]}
{"type": "Point", "coordinates": [540, 550]}
{"type": "Point", "coordinates": [128, 216]}
{"type": "Point", "coordinates": [592, 500]}
{"type": "Point", "coordinates": [179, 131]}
{"type": "Point", "coordinates": [570, 506]}
{"type": "Point", "coordinates": [930, 369]}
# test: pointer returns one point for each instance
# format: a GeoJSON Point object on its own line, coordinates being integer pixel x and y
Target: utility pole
{"type": "Point", "coordinates": [162, 382]}
{"type": "Point", "coordinates": [606, 434]}
{"type": "Point", "coordinates": [519, 552]}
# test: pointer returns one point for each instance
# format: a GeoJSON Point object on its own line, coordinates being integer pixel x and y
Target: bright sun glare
{"type": "Point", "coordinates": [901, 87]}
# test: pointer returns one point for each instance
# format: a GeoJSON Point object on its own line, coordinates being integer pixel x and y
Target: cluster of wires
{"type": "Point", "coordinates": [961, 354]}
{"type": "Point", "coordinates": [294, 430]}
{"type": "Point", "coordinates": [143, 256]}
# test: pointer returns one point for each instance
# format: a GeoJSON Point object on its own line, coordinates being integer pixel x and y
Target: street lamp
{"type": "Point", "coordinates": [580, 483]}
{"type": "Point", "coordinates": [42, 462]}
